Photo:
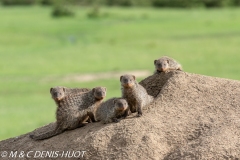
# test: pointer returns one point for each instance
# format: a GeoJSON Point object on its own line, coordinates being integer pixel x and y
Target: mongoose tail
{"type": "Point", "coordinates": [47, 134]}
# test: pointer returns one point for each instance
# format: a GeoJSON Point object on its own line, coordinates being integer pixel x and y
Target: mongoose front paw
{"type": "Point", "coordinates": [89, 120]}
{"type": "Point", "coordinates": [116, 120]}
{"type": "Point", "coordinates": [139, 114]}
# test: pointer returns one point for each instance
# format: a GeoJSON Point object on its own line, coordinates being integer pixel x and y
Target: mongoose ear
{"type": "Point", "coordinates": [64, 89]}
{"type": "Point", "coordinates": [168, 61]}
{"type": "Point", "coordinates": [114, 101]}
{"type": "Point", "coordinates": [93, 89]}
{"type": "Point", "coordinates": [51, 90]}
{"type": "Point", "coordinates": [155, 61]}
{"type": "Point", "coordinates": [134, 77]}
{"type": "Point", "coordinates": [121, 78]}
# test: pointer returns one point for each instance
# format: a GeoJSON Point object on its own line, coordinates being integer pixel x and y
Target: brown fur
{"type": "Point", "coordinates": [112, 110]}
{"type": "Point", "coordinates": [136, 96]}
{"type": "Point", "coordinates": [166, 64]}
{"type": "Point", "coordinates": [73, 109]}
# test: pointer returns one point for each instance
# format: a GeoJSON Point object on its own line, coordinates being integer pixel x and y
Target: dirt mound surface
{"type": "Point", "coordinates": [193, 117]}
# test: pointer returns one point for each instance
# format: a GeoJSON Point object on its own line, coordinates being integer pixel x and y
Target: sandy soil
{"type": "Point", "coordinates": [193, 117]}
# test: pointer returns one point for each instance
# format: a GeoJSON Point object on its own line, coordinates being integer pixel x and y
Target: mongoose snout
{"type": "Point", "coordinates": [100, 92]}
{"type": "Point", "coordinates": [127, 81]}
{"type": "Point", "coordinates": [57, 93]}
{"type": "Point", "coordinates": [161, 66]}
{"type": "Point", "coordinates": [121, 106]}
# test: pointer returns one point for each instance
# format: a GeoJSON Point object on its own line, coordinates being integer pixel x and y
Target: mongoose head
{"type": "Point", "coordinates": [57, 93]}
{"type": "Point", "coordinates": [161, 65]}
{"type": "Point", "coordinates": [99, 92]}
{"type": "Point", "coordinates": [120, 104]}
{"type": "Point", "coordinates": [127, 80]}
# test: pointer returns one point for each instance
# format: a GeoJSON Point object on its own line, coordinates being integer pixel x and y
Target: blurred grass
{"type": "Point", "coordinates": [35, 46]}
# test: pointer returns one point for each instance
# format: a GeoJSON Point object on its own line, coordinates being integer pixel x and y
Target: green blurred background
{"type": "Point", "coordinates": [46, 43]}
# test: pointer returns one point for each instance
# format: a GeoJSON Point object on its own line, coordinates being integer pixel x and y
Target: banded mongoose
{"type": "Point", "coordinates": [73, 109]}
{"type": "Point", "coordinates": [112, 110]}
{"type": "Point", "coordinates": [59, 92]}
{"type": "Point", "coordinates": [135, 94]}
{"type": "Point", "coordinates": [166, 64]}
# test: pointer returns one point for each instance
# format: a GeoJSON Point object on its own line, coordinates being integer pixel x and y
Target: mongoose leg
{"type": "Point", "coordinates": [139, 114]}
{"type": "Point", "coordinates": [91, 116]}
{"type": "Point", "coordinates": [126, 113]}
{"type": "Point", "coordinates": [139, 110]}
{"type": "Point", "coordinates": [89, 120]}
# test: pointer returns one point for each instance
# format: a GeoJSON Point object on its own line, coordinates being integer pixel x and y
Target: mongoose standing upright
{"type": "Point", "coordinates": [135, 94]}
{"type": "Point", "coordinates": [72, 110]}
{"type": "Point", "coordinates": [112, 110]}
{"type": "Point", "coordinates": [166, 64]}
